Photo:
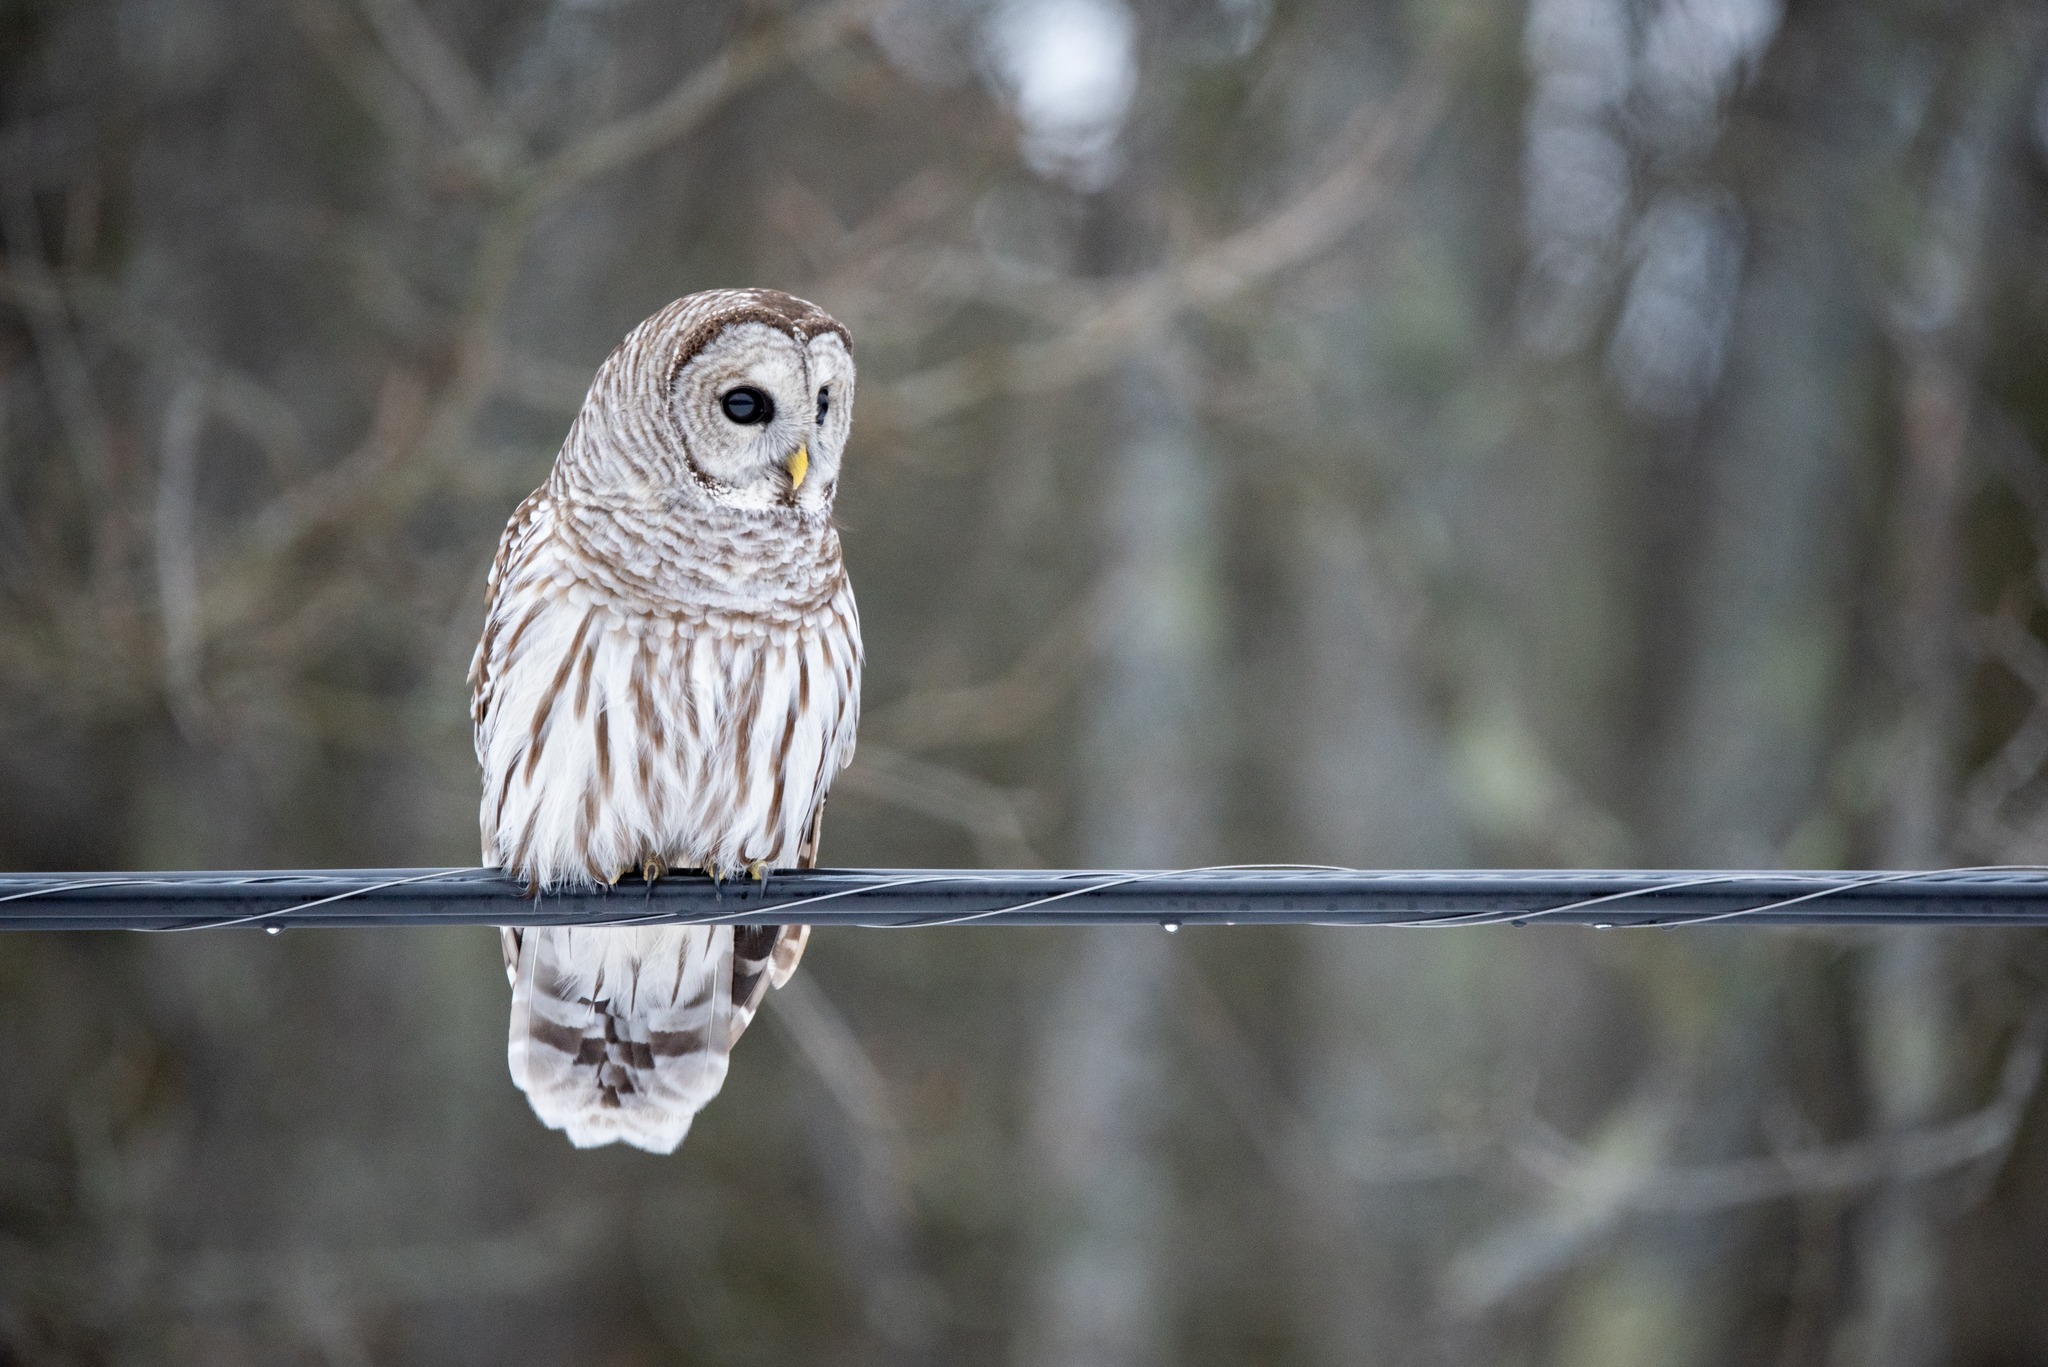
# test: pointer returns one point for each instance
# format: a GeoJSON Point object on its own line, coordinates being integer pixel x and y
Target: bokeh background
{"type": "Point", "coordinates": [1490, 432]}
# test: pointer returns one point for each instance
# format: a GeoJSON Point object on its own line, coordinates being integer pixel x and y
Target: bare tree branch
{"type": "Point", "coordinates": [391, 102]}
{"type": "Point", "coordinates": [1377, 136]}
{"type": "Point", "coordinates": [1911, 1155]}
{"type": "Point", "coordinates": [1293, 1151]}
{"type": "Point", "coordinates": [416, 48]}
{"type": "Point", "coordinates": [698, 96]}
{"type": "Point", "coordinates": [834, 1052]}
{"type": "Point", "coordinates": [901, 1299]}
{"type": "Point", "coordinates": [1592, 1194]}
{"type": "Point", "coordinates": [1003, 708]}
{"type": "Point", "coordinates": [245, 402]}
{"type": "Point", "coordinates": [987, 813]}
{"type": "Point", "coordinates": [1982, 825]}
{"type": "Point", "coordinates": [2002, 637]}
{"type": "Point", "coordinates": [64, 367]}
{"type": "Point", "coordinates": [506, 1264]}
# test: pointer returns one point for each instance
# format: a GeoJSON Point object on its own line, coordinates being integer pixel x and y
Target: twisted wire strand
{"type": "Point", "coordinates": [1086, 883]}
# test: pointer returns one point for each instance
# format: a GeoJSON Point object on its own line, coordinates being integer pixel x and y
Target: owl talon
{"type": "Point", "coordinates": [653, 869]}
{"type": "Point", "coordinates": [757, 869]}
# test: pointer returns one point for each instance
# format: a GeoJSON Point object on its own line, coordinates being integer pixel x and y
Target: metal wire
{"type": "Point", "coordinates": [1244, 894]}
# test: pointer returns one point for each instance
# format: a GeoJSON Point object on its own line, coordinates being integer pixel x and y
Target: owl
{"type": "Point", "coordinates": [669, 680]}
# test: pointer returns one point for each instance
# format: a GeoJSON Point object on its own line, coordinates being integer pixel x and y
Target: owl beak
{"type": "Point", "coordinates": [799, 466]}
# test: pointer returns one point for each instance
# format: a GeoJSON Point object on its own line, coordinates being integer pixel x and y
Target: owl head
{"type": "Point", "coordinates": [739, 399]}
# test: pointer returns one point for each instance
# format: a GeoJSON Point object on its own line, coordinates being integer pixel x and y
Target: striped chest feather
{"type": "Point", "coordinates": [610, 739]}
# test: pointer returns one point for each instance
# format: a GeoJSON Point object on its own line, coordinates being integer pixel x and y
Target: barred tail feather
{"type": "Point", "coordinates": [622, 1035]}
{"type": "Point", "coordinates": [763, 957]}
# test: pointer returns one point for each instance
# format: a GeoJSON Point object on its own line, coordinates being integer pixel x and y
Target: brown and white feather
{"type": "Point", "coordinates": [669, 673]}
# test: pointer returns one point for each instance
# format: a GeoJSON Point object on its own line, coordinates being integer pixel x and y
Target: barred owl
{"type": "Point", "coordinates": [669, 679]}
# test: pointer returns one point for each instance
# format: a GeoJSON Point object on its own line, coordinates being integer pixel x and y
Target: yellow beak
{"type": "Point", "coordinates": [799, 466]}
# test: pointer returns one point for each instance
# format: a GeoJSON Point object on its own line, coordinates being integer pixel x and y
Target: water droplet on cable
{"type": "Point", "coordinates": [1169, 926]}
{"type": "Point", "coordinates": [272, 930]}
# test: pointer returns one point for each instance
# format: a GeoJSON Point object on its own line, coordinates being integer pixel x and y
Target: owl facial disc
{"type": "Point", "coordinates": [763, 416]}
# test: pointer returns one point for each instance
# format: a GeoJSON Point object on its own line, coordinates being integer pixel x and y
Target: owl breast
{"type": "Point", "coordinates": [613, 735]}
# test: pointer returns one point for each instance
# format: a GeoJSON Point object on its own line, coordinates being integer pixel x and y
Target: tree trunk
{"type": "Point", "coordinates": [1101, 1299]}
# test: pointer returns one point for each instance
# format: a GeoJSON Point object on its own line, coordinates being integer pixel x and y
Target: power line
{"type": "Point", "coordinates": [899, 898]}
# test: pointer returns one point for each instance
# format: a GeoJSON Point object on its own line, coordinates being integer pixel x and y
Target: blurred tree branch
{"type": "Point", "coordinates": [1374, 144]}
{"type": "Point", "coordinates": [508, 1264]}
{"type": "Point", "coordinates": [991, 817]}
{"type": "Point", "coordinates": [414, 47]}
{"type": "Point", "coordinates": [1593, 1189]}
{"type": "Point", "coordinates": [1004, 708]}
{"type": "Point", "coordinates": [742, 64]}
{"type": "Point", "coordinates": [1914, 1155]}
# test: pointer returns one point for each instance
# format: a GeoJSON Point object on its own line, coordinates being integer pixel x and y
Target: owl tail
{"type": "Point", "coordinates": [623, 1034]}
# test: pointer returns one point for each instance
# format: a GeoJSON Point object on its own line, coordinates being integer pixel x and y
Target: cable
{"type": "Point", "coordinates": [1236, 894]}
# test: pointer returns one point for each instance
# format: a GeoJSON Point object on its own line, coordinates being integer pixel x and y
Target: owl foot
{"type": "Point", "coordinates": [653, 869]}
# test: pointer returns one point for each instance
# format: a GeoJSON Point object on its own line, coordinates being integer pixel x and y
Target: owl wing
{"type": "Point", "coordinates": [781, 952]}
{"type": "Point", "coordinates": [529, 524]}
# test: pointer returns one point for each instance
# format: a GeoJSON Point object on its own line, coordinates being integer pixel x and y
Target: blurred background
{"type": "Point", "coordinates": [1480, 432]}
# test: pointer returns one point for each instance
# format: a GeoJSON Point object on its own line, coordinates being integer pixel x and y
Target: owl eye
{"type": "Point", "coordinates": [824, 403]}
{"type": "Point", "coordinates": [747, 406]}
